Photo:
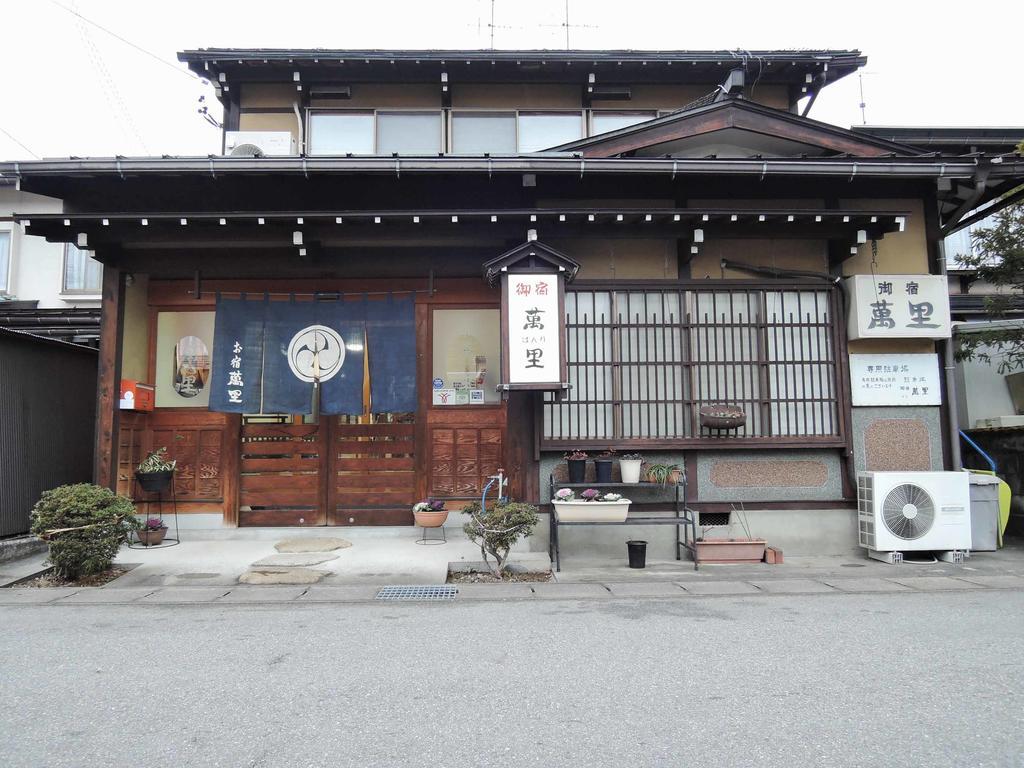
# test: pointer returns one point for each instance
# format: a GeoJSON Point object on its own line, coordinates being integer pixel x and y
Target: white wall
{"type": "Point", "coordinates": [981, 390]}
{"type": "Point", "coordinates": [36, 265]}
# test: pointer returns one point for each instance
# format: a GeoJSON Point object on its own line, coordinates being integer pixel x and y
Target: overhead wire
{"type": "Point", "coordinates": [20, 144]}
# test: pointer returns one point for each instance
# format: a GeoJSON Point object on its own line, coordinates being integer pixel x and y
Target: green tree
{"type": "Point", "coordinates": [998, 259]}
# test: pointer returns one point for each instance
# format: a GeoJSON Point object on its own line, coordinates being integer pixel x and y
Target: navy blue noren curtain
{"type": "Point", "coordinates": [391, 340]}
{"type": "Point", "coordinates": [343, 392]}
{"type": "Point", "coordinates": [237, 355]}
{"type": "Point", "coordinates": [283, 391]}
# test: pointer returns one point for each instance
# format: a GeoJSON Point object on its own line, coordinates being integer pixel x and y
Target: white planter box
{"type": "Point", "coordinates": [592, 511]}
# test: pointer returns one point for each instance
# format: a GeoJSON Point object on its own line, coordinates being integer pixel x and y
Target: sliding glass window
{"type": "Point", "coordinates": [368, 133]}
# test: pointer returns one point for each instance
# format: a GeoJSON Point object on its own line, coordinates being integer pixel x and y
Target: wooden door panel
{"type": "Point", "coordinates": [281, 475]}
{"type": "Point", "coordinates": [373, 479]}
{"type": "Point", "coordinates": [465, 445]}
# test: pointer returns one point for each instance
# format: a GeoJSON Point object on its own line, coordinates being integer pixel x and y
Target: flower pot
{"type": "Point", "coordinates": [630, 469]}
{"type": "Point", "coordinates": [155, 482]}
{"type": "Point", "coordinates": [674, 478]}
{"type": "Point", "coordinates": [637, 553]}
{"type": "Point", "coordinates": [577, 470]}
{"type": "Point", "coordinates": [151, 537]}
{"type": "Point", "coordinates": [722, 417]}
{"type": "Point", "coordinates": [730, 550]}
{"type": "Point", "coordinates": [603, 470]}
{"type": "Point", "coordinates": [592, 511]}
{"type": "Point", "coordinates": [430, 519]}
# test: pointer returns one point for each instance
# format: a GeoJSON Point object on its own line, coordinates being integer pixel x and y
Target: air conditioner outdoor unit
{"type": "Point", "coordinates": [914, 511]}
{"type": "Point", "coordinates": [258, 143]}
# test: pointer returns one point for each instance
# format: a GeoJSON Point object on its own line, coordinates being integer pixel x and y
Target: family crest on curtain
{"type": "Point", "coordinates": [268, 355]}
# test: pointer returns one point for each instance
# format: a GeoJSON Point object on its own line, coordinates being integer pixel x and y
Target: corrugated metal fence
{"type": "Point", "coordinates": [47, 420]}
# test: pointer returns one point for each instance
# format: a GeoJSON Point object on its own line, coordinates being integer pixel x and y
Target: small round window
{"type": "Point", "coordinates": [191, 366]}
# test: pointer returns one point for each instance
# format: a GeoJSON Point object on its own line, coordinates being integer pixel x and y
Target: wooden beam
{"type": "Point", "coordinates": [108, 378]}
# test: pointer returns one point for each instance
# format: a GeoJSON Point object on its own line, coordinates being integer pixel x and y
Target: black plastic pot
{"type": "Point", "coordinates": [637, 554]}
{"type": "Point", "coordinates": [155, 482]}
{"type": "Point", "coordinates": [577, 470]}
{"type": "Point", "coordinates": [603, 470]}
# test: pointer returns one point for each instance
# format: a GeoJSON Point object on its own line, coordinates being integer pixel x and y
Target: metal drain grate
{"type": "Point", "coordinates": [417, 592]}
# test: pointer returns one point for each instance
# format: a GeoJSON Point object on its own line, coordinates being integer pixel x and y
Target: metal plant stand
{"type": "Point", "coordinates": [431, 542]}
{"type": "Point", "coordinates": [684, 519]}
{"type": "Point", "coordinates": [169, 541]}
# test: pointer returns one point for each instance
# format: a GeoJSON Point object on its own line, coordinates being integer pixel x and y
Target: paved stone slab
{"type": "Point", "coordinates": [263, 595]}
{"type": "Point", "coordinates": [646, 589]}
{"type": "Point", "coordinates": [866, 585]}
{"type": "Point", "coordinates": [720, 588]}
{"type": "Point", "coordinates": [323, 544]}
{"type": "Point", "coordinates": [184, 595]}
{"type": "Point", "coordinates": [340, 594]}
{"type": "Point", "coordinates": [996, 582]}
{"type": "Point", "coordinates": [555, 591]}
{"type": "Point", "coordinates": [792, 586]}
{"type": "Point", "coordinates": [267, 575]}
{"type": "Point", "coordinates": [35, 596]}
{"type": "Point", "coordinates": [108, 595]}
{"type": "Point", "coordinates": [514, 591]}
{"type": "Point", "coordinates": [934, 583]}
{"type": "Point", "coordinates": [295, 559]}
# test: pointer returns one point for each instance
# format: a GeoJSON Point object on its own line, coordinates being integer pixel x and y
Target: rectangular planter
{"type": "Point", "coordinates": [730, 550]}
{"type": "Point", "coordinates": [592, 511]}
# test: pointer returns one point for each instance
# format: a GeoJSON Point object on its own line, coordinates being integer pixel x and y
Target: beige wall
{"type": "Point", "coordinates": [516, 96]}
{"type": "Point", "coordinates": [899, 253]}
{"type": "Point", "coordinates": [890, 346]}
{"type": "Point", "coordinates": [807, 255]}
{"type": "Point", "coordinates": [615, 259]}
{"type": "Point", "coordinates": [274, 122]}
{"type": "Point", "coordinates": [135, 349]}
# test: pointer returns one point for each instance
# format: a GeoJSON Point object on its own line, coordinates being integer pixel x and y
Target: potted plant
{"type": "Point", "coordinates": [155, 473]}
{"type": "Point", "coordinates": [603, 466]}
{"type": "Point", "coordinates": [720, 416]}
{"type": "Point", "coordinates": [577, 463]}
{"type": "Point", "coordinates": [430, 513]}
{"type": "Point", "coordinates": [664, 474]}
{"type": "Point", "coordinates": [153, 532]}
{"type": "Point", "coordinates": [591, 506]}
{"type": "Point", "coordinates": [629, 467]}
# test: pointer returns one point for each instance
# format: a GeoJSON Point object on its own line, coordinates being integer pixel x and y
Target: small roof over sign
{"type": "Point", "coordinates": [530, 256]}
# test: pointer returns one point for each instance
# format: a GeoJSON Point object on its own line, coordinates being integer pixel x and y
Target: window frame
{"type": "Point", "coordinates": [78, 292]}
{"type": "Point", "coordinates": [312, 112]}
{"type": "Point", "coordinates": [516, 113]}
{"type": "Point", "coordinates": [8, 272]}
{"type": "Point", "coordinates": [835, 336]}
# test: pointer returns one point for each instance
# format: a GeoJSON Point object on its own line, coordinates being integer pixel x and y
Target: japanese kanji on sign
{"type": "Point", "coordinates": [533, 330]}
{"type": "Point", "coordinates": [904, 379]}
{"type": "Point", "coordinates": [899, 307]}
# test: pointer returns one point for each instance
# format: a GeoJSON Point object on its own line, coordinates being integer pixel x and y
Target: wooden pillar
{"type": "Point", "coordinates": [108, 378]}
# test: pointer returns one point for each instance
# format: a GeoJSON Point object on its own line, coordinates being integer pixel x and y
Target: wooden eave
{"type": "Point", "coordinates": [532, 254]}
{"type": "Point", "coordinates": [741, 114]}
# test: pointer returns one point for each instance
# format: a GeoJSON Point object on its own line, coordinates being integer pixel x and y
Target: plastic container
{"type": "Point", "coordinates": [984, 513]}
{"type": "Point", "coordinates": [637, 554]}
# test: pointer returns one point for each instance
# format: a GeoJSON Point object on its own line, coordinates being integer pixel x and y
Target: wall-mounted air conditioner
{"type": "Point", "coordinates": [258, 143]}
{"type": "Point", "coordinates": [914, 511]}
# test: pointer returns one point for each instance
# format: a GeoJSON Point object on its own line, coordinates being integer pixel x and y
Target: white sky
{"type": "Point", "coordinates": [71, 89]}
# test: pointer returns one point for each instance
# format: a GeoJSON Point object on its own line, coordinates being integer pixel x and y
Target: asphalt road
{"type": "Point", "coordinates": [813, 680]}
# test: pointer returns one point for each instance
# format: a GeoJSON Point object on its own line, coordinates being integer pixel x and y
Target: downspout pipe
{"type": "Point", "coordinates": [949, 360]}
{"type": "Point", "coordinates": [302, 128]}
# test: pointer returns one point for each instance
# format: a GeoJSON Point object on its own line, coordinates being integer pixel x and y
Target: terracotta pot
{"type": "Point", "coordinates": [150, 537]}
{"type": "Point", "coordinates": [730, 550]}
{"type": "Point", "coordinates": [430, 519]}
{"type": "Point", "coordinates": [674, 478]}
{"type": "Point", "coordinates": [592, 511]}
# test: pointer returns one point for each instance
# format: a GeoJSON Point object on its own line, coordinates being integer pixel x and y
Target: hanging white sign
{"type": "Point", "coordinates": [899, 307]}
{"type": "Point", "coordinates": [895, 379]}
{"type": "Point", "coordinates": [533, 334]}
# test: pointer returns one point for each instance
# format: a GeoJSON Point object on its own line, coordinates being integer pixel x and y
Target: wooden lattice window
{"type": "Point", "coordinates": [643, 361]}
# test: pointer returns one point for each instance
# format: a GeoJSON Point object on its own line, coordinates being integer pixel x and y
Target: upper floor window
{"type": "Point", "coordinates": [82, 273]}
{"type": "Point", "coordinates": [5, 261]}
{"type": "Point", "coordinates": [602, 122]}
{"type": "Point", "coordinates": [475, 133]}
{"type": "Point", "coordinates": [369, 133]}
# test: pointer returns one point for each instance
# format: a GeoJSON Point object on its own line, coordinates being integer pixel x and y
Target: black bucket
{"type": "Point", "coordinates": [637, 554]}
{"type": "Point", "coordinates": [155, 482]}
{"type": "Point", "coordinates": [577, 470]}
{"type": "Point", "coordinates": [603, 470]}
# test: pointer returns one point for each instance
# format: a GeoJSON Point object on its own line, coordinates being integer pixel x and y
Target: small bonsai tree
{"type": "Point", "coordinates": [498, 528]}
{"type": "Point", "coordinates": [85, 525]}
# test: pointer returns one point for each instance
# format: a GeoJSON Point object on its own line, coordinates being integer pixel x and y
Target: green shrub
{"type": "Point", "coordinates": [498, 529]}
{"type": "Point", "coordinates": [84, 525]}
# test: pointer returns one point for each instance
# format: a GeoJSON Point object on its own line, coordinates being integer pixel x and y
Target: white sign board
{"type": "Point", "coordinates": [534, 329]}
{"type": "Point", "coordinates": [895, 379]}
{"type": "Point", "coordinates": [899, 307]}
